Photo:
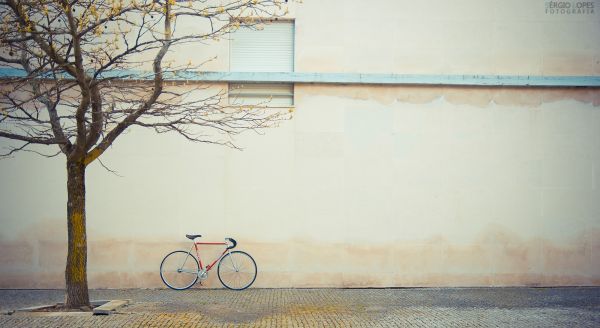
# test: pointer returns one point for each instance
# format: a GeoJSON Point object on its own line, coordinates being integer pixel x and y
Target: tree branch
{"type": "Point", "coordinates": [33, 140]}
{"type": "Point", "coordinates": [158, 86]}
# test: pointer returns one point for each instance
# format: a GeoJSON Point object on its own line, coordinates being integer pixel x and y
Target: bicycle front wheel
{"type": "Point", "coordinates": [179, 270]}
{"type": "Point", "coordinates": [237, 270]}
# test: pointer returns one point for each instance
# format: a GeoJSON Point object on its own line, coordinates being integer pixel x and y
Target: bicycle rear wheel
{"type": "Point", "coordinates": [237, 270]}
{"type": "Point", "coordinates": [179, 270]}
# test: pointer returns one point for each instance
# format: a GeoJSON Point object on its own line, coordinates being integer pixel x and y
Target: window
{"type": "Point", "coordinates": [270, 49]}
{"type": "Point", "coordinates": [261, 94]}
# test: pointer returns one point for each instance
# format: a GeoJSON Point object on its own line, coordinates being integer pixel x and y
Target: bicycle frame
{"type": "Point", "coordinates": [210, 266]}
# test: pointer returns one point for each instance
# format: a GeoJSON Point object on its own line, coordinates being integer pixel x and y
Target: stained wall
{"type": "Point", "coordinates": [365, 186]}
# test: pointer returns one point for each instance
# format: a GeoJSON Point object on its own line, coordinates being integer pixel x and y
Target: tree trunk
{"type": "Point", "coordinates": [76, 271]}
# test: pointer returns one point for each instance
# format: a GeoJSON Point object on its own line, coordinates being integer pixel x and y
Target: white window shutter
{"type": "Point", "coordinates": [268, 50]}
{"type": "Point", "coordinates": [261, 94]}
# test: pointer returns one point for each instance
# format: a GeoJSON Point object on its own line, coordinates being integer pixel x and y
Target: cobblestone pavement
{"type": "Point", "coordinates": [418, 307]}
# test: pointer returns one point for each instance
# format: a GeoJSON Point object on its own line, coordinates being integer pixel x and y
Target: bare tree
{"type": "Point", "coordinates": [78, 83]}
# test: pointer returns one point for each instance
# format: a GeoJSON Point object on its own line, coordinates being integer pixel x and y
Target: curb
{"type": "Point", "coordinates": [102, 307]}
{"type": "Point", "coordinates": [110, 307]}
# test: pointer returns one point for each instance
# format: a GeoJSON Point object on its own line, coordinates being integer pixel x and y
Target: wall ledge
{"type": "Point", "coordinates": [349, 78]}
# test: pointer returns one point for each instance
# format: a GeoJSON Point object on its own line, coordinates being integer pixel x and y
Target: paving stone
{"type": "Point", "coordinates": [419, 307]}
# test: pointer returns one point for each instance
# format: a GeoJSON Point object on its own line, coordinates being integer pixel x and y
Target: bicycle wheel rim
{"type": "Point", "coordinates": [179, 270]}
{"type": "Point", "coordinates": [237, 270]}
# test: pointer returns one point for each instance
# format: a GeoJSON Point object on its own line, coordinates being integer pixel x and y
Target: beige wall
{"type": "Point", "coordinates": [431, 37]}
{"type": "Point", "coordinates": [366, 186]}
{"type": "Point", "coordinates": [446, 37]}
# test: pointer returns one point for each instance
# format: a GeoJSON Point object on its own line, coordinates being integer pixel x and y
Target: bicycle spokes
{"type": "Point", "coordinates": [179, 270]}
{"type": "Point", "coordinates": [237, 270]}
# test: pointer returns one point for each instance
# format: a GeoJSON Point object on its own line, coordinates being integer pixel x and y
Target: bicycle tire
{"type": "Point", "coordinates": [171, 272]}
{"type": "Point", "coordinates": [238, 275]}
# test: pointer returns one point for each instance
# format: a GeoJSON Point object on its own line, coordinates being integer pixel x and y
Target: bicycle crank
{"type": "Point", "coordinates": [202, 274]}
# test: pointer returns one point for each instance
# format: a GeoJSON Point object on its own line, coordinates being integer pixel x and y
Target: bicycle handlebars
{"type": "Point", "coordinates": [231, 240]}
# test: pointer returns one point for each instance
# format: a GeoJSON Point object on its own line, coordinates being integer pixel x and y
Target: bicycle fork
{"type": "Point", "coordinates": [235, 267]}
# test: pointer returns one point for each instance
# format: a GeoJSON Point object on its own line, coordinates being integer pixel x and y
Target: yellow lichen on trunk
{"type": "Point", "coordinates": [92, 155]}
{"type": "Point", "coordinates": [76, 267]}
{"type": "Point", "coordinates": [78, 251]}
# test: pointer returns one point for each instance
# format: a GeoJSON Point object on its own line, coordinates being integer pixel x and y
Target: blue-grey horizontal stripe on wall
{"type": "Point", "coordinates": [350, 78]}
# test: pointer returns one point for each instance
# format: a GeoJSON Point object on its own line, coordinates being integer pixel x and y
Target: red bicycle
{"type": "Point", "coordinates": [236, 270]}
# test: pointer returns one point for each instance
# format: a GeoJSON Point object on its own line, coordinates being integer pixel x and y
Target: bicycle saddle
{"type": "Point", "coordinates": [192, 237]}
